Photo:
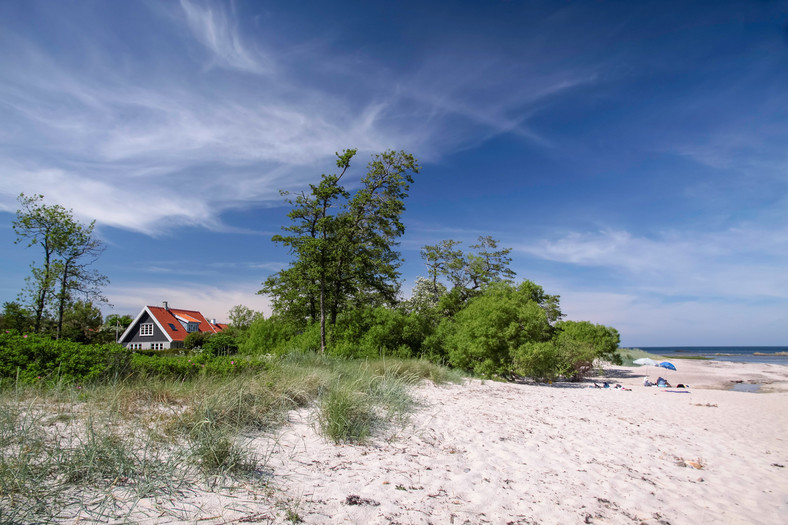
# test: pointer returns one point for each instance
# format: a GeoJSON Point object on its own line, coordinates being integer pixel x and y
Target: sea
{"type": "Point", "coordinates": [776, 355]}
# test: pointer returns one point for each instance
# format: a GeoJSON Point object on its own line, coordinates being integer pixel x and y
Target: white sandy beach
{"type": "Point", "coordinates": [490, 452]}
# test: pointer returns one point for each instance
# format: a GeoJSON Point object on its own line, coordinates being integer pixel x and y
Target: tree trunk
{"type": "Point", "coordinates": [44, 286]}
{"type": "Point", "coordinates": [61, 307]}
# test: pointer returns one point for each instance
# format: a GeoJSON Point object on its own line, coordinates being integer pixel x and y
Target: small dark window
{"type": "Point", "coordinates": [172, 327]}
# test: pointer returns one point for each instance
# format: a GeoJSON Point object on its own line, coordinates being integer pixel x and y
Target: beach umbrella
{"type": "Point", "coordinates": [645, 361]}
{"type": "Point", "coordinates": [668, 366]}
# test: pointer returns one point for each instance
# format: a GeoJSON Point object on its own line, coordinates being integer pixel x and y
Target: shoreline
{"type": "Point", "coordinates": [705, 374]}
{"type": "Point", "coordinates": [777, 355]}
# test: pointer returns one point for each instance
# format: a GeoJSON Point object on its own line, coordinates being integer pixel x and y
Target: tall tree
{"type": "Point", "coordinates": [439, 259]}
{"type": "Point", "coordinates": [69, 247]}
{"type": "Point", "coordinates": [469, 273]}
{"type": "Point", "coordinates": [343, 243]}
{"type": "Point", "coordinates": [78, 251]}
{"type": "Point", "coordinates": [242, 317]}
{"type": "Point", "coordinates": [42, 225]}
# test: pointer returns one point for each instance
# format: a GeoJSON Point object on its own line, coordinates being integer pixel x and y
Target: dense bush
{"type": "Point", "coordinates": [34, 358]}
{"type": "Point", "coordinates": [550, 360]}
{"type": "Point", "coordinates": [485, 335]}
{"type": "Point", "coordinates": [603, 339]}
{"type": "Point", "coordinates": [269, 336]}
{"type": "Point", "coordinates": [196, 340]}
{"type": "Point", "coordinates": [220, 344]}
{"type": "Point", "coordinates": [372, 332]}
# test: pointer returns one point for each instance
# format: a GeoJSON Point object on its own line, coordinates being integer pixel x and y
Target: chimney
{"type": "Point", "coordinates": [213, 321]}
{"type": "Point", "coordinates": [166, 307]}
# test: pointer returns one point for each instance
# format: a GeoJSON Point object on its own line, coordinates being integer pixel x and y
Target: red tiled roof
{"type": "Point", "coordinates": [177, 332]}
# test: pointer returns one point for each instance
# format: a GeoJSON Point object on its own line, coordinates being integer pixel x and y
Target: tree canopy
{"type": "Point", "coordinates": [64, 272]}
{"type": "Point", "coordinates": [343, 243]}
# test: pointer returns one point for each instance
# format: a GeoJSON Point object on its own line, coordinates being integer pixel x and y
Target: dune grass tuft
{"type": "Point", "coordinates": [66, 450]}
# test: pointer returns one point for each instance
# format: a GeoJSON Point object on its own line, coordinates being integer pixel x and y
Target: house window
{"type": "Point", "coordinates": [157, 346]}
{"type": "Point", "coordinates": [146, 329]}
{"type": "Point", "coordinates": [192, 327]}
{"type": "Point", "coordinates": [135, 346]}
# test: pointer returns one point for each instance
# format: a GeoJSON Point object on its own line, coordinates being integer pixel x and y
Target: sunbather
{"type": "Point", "coordinates": [662, 382]}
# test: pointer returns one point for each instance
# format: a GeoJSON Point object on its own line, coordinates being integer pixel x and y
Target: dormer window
{"type": "Point", "coordinates": [192, 327]}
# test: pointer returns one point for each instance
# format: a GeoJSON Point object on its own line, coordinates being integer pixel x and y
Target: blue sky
{"type": "Point", "coordinates": [634, 155]}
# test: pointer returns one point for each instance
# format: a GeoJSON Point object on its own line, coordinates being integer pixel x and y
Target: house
{"type": "Point", "coordinates": [162, 327]}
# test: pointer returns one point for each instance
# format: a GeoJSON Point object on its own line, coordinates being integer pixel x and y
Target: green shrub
{"type": "Point", "coordinates": [603, 339]}
{"type": "Point", "coordinates": [559, 358]}
{"type": "Point", "coordinates": [220, 344]}
{"type": "Point", "coordinates": [196, 340]}
{"type": "Point", "coordinates": [35, 358]}
{"type": "Point", "coordinates": [539, 361]}
{"type": "Point", "coordinates": [486, 334]}
{"type": "Point", "coordinates": [269, 336]}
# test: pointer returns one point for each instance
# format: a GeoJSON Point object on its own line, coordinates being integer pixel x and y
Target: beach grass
{"type": "Point", "coordinates": [71, 451]}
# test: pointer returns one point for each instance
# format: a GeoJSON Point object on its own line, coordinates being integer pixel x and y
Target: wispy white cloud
{"type": "Point", "coordinates": [746, 262]}
{"type": "Point", "coordinates": [213, 27]}
{"type": "Point", "coordinates": [132, 150]}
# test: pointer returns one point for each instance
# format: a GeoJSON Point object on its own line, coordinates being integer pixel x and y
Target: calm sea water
{"type": "Point", "coordinates": [741, 354]}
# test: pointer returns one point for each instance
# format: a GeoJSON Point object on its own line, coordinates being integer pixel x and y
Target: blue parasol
{"type": "Point", "coordinates": [669, 366]}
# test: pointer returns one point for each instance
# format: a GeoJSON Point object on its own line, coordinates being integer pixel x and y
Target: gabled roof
{"type": "Point", "coordinates": [168, 322]}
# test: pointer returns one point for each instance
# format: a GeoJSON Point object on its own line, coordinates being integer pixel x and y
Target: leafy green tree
{"type": "Point", "coordinates": [242, 317]}
{"type": "Point", "coordinates": [373, 332]}
{"type": "Point", "coordinates": [469, 273]}
{"type": "Point", "coordinates": [540, 361]}
{"type": "Point", "coordinates": [69, 249]}
{"type": "Point", "coordinates": [78, 250]}
{"type": "Point", "coordinates": [82, 322]}
{"type": "Point", "coordinates": [441, 260]}
{"type": "Point", "coordinates": [425, 296]}
{"type": "Point", "coordinates": [301, 289]}
{"type": "Point", "coordinates": [343, 243]}
{"type": "Point", "coordinates": [39, 224]}
{"type": "Point", "coordinates": [15, 317]}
